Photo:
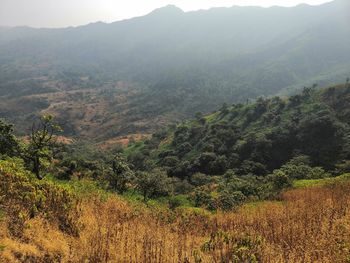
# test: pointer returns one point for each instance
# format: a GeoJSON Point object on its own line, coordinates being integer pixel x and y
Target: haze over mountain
{"type": "Point", "coordinates": [218, 135]}
{"type": "Point", "coordinates": [136, 75]}
{"type": "Point", "coordinates": [63, 13]}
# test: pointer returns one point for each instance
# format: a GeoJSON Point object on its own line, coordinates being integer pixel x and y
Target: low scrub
{"type": "Point", "coordinates": [24, 197]}
{"type": "Point", "coordinates": [308, 224]}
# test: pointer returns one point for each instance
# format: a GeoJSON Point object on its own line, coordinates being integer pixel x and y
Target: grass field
{"type": "Point", "coordinates": [308, 224]}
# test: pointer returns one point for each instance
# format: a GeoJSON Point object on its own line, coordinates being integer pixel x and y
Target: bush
{"type": "Point", "coordinates": [154, 184]}
{"type": "Point", "coordinates": [303, 171]}
{"type": "Point", "coordinates": [170, 161]}
{"type": "Point", "coordinates": [181, 186]}
{"type": "Point", "coordinates": [120, 175]}
{"type": "Point", "coordinates": [248, 185]}
{"type": "Point", "coordinates": [202, 198]}
{"type": "Point", "coordinates": [138, 160]}
{"type": "Point", "coordinates": [184, 148]}
{"type": "Point", "coordinates": [280, 180]}
{"type": "Point", "coordinates": [227, 201]}
{"type": "Point", "coordinates": [300, 160]}
{"type": "Point", "coordinates": [343, 167]}
{"type": "Point", "coordinates": [199, 179]}
{"type": "Point", "coordinates": [8, 143]}
{"type": "Point", "coordinates": [251, 167]}
{"type": "Point", "coordinates": [23, 196]}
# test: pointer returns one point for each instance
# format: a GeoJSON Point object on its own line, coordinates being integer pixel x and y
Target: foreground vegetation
{"type": "Point", "coordinates": [46, 222]}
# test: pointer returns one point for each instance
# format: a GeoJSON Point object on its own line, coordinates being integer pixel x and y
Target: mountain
{"type": "Point", "coordinates": [134, 76]}
{"type": "Point", "coordinates": [254, 138]}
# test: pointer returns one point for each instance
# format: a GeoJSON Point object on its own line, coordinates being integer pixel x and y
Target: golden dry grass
{"type": "Point", "coordinates": [307, 225]}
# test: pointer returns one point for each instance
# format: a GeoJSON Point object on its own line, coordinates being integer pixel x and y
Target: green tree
{"type": "Point", "coordinates": [227, 201]}
{"type": "Point", "coordinates": [120, 175]}
{"type": "Point", "coordinates": [280, 180]}
{"type": "Point", "coordinates": [322, 136]}
{"type": "Point", "coordinates": [202, 198]}
{"type": "Point", "coordinates": [153, 184]}
{"type": "Point", "coordinates": [300, 170]}
{"type": "Point", "coordinates": [41, 143]}
{"type": "Point", "coordinates": [8, 142]}
{"type": "Point", "coordinates": [199, 179]}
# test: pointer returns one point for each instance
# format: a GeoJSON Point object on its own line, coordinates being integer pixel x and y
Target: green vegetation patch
{"type": "Point", "coordinates": [2, 248]}
{"type": "Point", "coordinates": [320, 182]}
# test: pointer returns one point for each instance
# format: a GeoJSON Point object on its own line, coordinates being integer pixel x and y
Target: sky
{"type": "Point", "coordinates": [64, 13]}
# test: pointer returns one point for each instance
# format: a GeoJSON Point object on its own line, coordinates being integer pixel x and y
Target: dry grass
{"type": "Point", "coordinates": [308, 225]}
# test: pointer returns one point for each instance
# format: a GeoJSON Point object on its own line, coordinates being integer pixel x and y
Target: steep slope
{"type": "Point", "coordinates": [177, 63]}
{"type": "Point", "coordinates": [255, 138]}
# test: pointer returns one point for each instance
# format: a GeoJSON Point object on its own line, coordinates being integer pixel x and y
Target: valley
{"type": "Point", "coordinates": [102, 87]}
{"type": "Point", "coordinates": [211, 135]}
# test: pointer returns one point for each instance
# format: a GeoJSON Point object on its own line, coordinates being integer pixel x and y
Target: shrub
{"type": "Point", "coordinates": [120, 175]}
{"type": "Point", "coordinates": [23, 196]}
{"type": "Point", "coordinates": [343, 167]}
{"type": "Point", "coordinates": [202, 198]}
{"type": "Point", "coordinates": [303, 171]}
{"type": "Point", "coordinates": [184, 148]}
{"type": "Point", "coordinates": [181, 186]}
{"type": "Point", "coordinates": [248, 185]}
{"type": "Point", "coordinates": [153, 184]}
{"type": "Point", "coordinates": [227, 201]}
{"type": "Point", "coordinates": [280, 180]}
{"type": "Point", "coordinates": [170, 161]}
{"type": "Point", "coordinates": [8, 143]}
{"type": "Point", "coordinates": [251, 167]}
{"type": "Point", "coordinates": [300, 160]}
{"type": "Point", "coordinates": [199, 179]}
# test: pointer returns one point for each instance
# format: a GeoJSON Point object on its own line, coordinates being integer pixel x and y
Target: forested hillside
{"type": "Point", "coordinates": [255, 138]}
{"type": "Point", "coordinates": [135, 76]}
{"type": "Point", "coordinates": [251, 182]}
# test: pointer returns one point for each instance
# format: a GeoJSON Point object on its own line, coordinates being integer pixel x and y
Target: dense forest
{"type": "Point", "coordinates": [241, 152]}
{"type": "Point", "coordinates": [305, 136]}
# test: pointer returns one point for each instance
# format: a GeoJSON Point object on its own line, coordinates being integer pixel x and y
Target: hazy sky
{"type": "Point", "coordinates": [62, 13]}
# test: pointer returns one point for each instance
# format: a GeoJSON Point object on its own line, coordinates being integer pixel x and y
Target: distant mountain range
{"type": "Point", "coordinates": [140, 74]}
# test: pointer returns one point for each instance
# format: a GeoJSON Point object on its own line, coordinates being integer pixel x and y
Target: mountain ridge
{"type": "Point", "coordinates": [173, 67]}
{"type": "Point", "coordinates": [177, 9]}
